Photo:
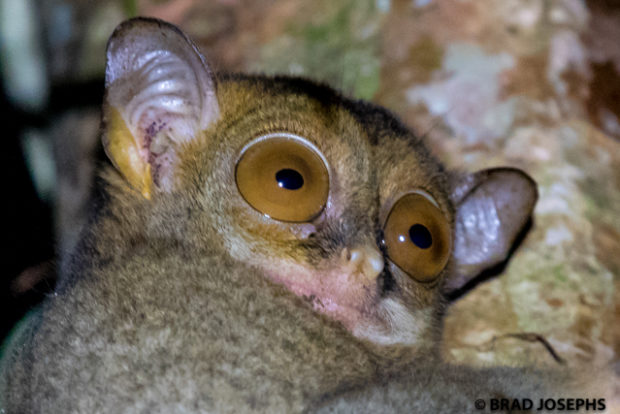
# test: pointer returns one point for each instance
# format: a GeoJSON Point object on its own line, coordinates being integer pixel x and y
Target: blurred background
{"type": "Point", "coordinates": [533, 84]}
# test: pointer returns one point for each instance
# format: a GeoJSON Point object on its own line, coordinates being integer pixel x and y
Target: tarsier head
{"type": "Point", "coordinates": [332, 198]}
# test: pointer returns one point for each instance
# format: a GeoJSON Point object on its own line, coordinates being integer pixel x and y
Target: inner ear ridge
{"type": "Point", "coordinates": [467, 183]}
{"type": "Point", "coordinates": [170, 69]}
{"type": "Point", "coordinates": [475, 250]}
{"type": "Point", "coordinates": [163, 91]}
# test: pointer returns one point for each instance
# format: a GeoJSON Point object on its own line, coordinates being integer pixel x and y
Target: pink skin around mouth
{"type": "Point", "coordinates": [344, 296]}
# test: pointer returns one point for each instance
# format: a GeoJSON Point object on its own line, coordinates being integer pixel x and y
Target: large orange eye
{"type": "Point", "coordinates": [417, 237]}
{"type": "Point", "coordinates": [284, 177]}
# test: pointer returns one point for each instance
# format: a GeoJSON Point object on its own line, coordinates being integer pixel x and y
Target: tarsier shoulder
{"type": "Point", "coordinates": [267, 244]}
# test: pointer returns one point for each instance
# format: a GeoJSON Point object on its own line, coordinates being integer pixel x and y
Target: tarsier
{"type": "Point", "coordinates": [262, 244]}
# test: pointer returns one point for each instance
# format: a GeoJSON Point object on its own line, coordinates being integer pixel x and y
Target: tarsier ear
{"type": "Point", "coordinates": [492, 208]}
{"type": "Point", "coordinates": [160, 93]}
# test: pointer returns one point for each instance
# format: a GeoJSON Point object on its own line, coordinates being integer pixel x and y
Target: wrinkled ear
{"type": "Point", "coordinates": [160, 93]}
{"type": "Point", "coordinates": [492, 208]}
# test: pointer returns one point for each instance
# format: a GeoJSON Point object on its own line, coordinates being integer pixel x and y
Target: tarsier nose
{"type": "Point", "coordinates": [364, 259]}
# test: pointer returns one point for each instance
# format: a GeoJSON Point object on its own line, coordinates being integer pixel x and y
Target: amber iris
{"type": "Point", "coordinates": [284, 178]}
{"type": "Point", "coordinates": [417, 237]}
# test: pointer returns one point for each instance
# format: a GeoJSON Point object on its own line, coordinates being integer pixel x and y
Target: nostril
{"type": "Point", "coordinates": [364, 259]}
{"type": "Point", "coordinates": [348, 255]}
{"type": "Point", "coordinates": [376, 262]}
{"type": "Point", "coordinates": [354, 256]}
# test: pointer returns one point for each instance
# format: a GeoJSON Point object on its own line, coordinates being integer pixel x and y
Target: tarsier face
{"type": "Point", "coordinates": [331, 198]}
{"type": "Point", "coordinates": [312, 210]}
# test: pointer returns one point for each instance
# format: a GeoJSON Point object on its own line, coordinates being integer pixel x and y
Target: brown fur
{"type": "Point", "coordinates": [154, 306]}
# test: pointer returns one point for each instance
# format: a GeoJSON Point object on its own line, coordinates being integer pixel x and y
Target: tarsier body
{"type": "Point", "coordinates": [264, 244]}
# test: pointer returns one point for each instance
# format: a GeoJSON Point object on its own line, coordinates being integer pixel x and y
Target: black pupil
{"type": "Point", "coordinates": [289, 179]}
{"type": "Point", "coordinates": [420, 236]}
